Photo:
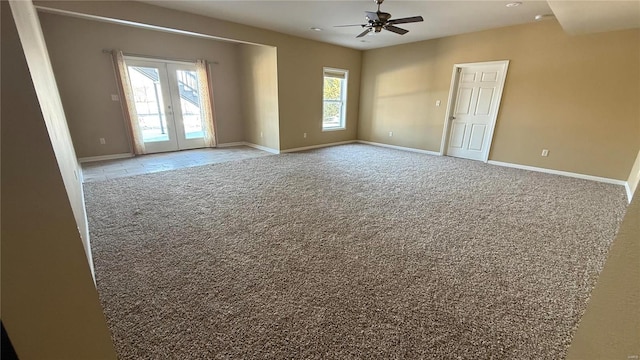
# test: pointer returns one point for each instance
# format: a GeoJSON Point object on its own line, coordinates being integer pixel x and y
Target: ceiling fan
{"type": "Point", "coordinates": [376, 21]}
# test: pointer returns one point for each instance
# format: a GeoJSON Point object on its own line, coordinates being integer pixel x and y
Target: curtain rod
{"type": "Point", "coordinates": [108, 51]}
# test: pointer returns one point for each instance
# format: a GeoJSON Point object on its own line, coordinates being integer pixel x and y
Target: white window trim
{"type": "Point", "coordinates": [345, 86]}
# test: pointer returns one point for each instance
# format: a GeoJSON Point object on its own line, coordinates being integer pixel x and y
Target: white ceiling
{"type": "Point", "coordinates": [582, 17]}
{"type": "Point", "coordinates": [442, 18]}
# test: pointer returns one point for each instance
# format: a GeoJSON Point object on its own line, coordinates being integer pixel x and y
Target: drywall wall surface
{"type": "Point", "coordinates": [300, 63]}
{"type": "Point", "coordinates": [144, 13]}
{"type": "Point", "coordinates": [610, 326]}
{"type": "Point", "coordinates": [583, 17]}
{"type": "Point", "coordinates": [576, 96]}
{"type": "Point", "coordinates": [50, 307]}
{"type": "Point", "coordinates": [46, 88]}
{"type": "Point", "coordinates": [634, 176]}
{"type": "Point", "coordinates": [399, 89]}
{"type": "Point", "coordinates": [300, 92]}
{"type": "Point", "coordinates": [87, 80]}
{"type": "Point", "coordinates": [259, 71]}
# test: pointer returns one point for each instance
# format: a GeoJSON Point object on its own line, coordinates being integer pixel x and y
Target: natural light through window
{"type": "Point", "coordinates": [334, 99]}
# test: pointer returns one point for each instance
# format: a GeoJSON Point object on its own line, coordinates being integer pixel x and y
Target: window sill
{"type": "Point", "coordinates": [334, 129]}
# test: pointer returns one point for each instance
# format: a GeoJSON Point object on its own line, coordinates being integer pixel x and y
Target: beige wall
{"type": "Point", "coordinates": [300, 74]}
{"type": "Point", "coordinates": [610, 328]}
{"type": "Point", "coordinates": [39, 63]}
{"type": "Point", "coordinates": [50, 307]}
{"type": "Point", "coordinates": [86, 77]}
{"type": "Point", "coordinates": [634, 176]}
{"type": "Point", "coordinates": [259, 69]}
{"type": "Point", "coordinates": [574, 95]}
{"type": "Point", "coordinates": [300, 63]}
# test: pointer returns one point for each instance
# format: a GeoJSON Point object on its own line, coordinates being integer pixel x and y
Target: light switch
{"type": "Point", "coordinates": [438, 103]}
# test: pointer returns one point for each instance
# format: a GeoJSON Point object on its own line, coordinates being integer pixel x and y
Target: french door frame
{"type": "Point", "coordinates": [172, 110]}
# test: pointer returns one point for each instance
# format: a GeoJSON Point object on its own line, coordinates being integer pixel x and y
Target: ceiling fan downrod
{"type": "Point", "coordinates": [378, 2]}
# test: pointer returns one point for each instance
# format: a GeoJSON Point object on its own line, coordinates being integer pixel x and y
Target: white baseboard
{"type": "Point", "coordinates": [626, 184]}
{"type": "Point", "coordinates": [559, 172]}
{"type": "Point", "coordinates": [231, 144]}
{"type": "Point", "coordinates": [263, 148]}
{"type": "Point", "coordinates": [401, 148]}
{"type": "Point", "coordinates": [245, 143]}
{"type": "Point", "coordinates": [105, 157]}
{"type": "Point", "coordinates": [317, 146]}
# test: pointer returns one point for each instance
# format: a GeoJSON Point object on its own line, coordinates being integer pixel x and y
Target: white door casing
{"type": "Point", "coordinates": [474, 101]}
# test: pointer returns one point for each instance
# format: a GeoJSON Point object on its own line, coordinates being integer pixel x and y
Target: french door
{"type": "Point", "coordinates": [167, 103]}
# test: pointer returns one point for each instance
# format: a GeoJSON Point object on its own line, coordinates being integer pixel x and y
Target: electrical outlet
{"type": "Point", "coordinates": [304, 135]}
{"type": "Point", "coordinates": [261, 135]}
{"type": "Point", "coordinates": [545, 152]}
{"type": "Point", "coordinates": [115, 97]}
{"type": "Point", "coordinates": [390, 133]}
{"type": "Point", "coordinates": [103, 141]}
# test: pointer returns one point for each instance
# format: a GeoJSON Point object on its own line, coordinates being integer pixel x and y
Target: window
{"type": "Point", "coordinates": [334, 99]}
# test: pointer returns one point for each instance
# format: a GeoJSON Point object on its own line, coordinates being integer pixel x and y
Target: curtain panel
{"type": "Point", "coordinates": [206, 103]}
{"type": "Point", "coordinates": [128, 102]}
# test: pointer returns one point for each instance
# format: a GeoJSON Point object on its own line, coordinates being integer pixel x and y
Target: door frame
{"type": "Point", "coordinates": [453, 90]}
{"type": "Point", "coordinates": [171, 144]}
{"type": "Point", "coordinates": [170, 93]}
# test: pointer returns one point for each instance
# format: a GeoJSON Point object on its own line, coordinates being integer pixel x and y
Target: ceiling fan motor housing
{"type": "Point", "coordinates": [379, 23]}
{"type": "Point", "coordinates": [383, 16]}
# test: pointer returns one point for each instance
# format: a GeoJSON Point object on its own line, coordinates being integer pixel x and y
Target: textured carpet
{"type": "Point", "coordinates": [348, 252]}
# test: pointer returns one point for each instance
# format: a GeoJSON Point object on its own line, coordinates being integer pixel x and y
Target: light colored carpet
{"type": "Point", "coordinates": [348, 252]}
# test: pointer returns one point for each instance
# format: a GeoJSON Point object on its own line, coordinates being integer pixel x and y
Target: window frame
{"type": "Point", "coordinates": [344, 75]}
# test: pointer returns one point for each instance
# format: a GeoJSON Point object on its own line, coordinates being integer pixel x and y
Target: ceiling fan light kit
{"type": "Point", "coordinates": [378, 20]}
{"type": "Point", "coordinates": [542, 17]}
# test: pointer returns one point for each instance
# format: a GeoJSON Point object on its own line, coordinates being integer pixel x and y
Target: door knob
{"type": "Point", "coordinates": [452, 117]}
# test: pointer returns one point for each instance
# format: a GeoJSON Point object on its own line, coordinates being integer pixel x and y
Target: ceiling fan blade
{"type": "Point", "coordinates": [372, 16]}
{"type": "Point", "coordinates": [361, 25]}
{"type": "Point", "coordinates": [405, 20]}
{"type": "Point", "coordinates": [396, 29]}
{"type": "Point", "coordinates": [368, 30]}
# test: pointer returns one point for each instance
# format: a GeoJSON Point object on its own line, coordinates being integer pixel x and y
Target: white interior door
{"type": "Point", "coordinates": [167, 103]}
{"type": "Point", "coordinates": [478, 90]}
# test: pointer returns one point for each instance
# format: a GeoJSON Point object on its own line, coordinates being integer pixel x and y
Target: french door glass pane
{"type": "Point", "coordinates": [147, 92]}
{"type": "Point", "coordinates": [190, 104]}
